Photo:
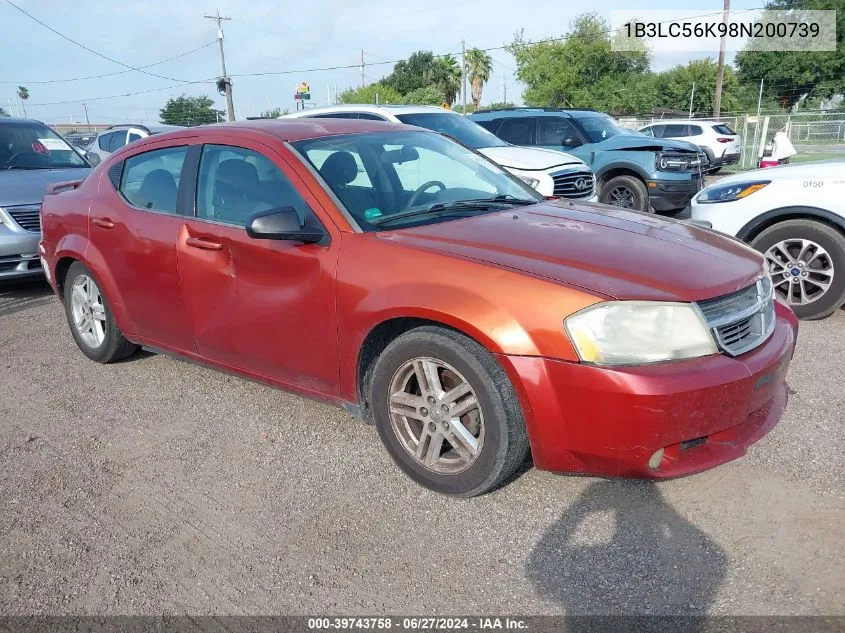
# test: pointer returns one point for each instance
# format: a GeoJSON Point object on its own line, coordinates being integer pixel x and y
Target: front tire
{"type": "Point", "coordinates": [807, 264]}
{"type": "Point", "coordinates": [447, 412]}
{"type": "Point", "coordinates": [627, 192]}
{"type": "Point", "coordinates": [91, 320]}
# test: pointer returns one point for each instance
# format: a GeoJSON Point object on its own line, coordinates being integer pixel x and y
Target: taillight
{"type": "Point", "coordinates": [722, 139]}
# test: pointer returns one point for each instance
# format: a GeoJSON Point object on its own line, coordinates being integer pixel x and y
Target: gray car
{"type": "Point", "coordinates": [116, 136]}
{"type": "Point", "coordinates": [32, 157]}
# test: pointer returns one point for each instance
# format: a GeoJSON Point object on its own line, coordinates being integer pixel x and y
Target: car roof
{"type": "Point", "coordinates": [506, 113]}
{"type": "Point", "coordinates": [284, 129]}
{"type": "Point", "coordinates": [369, 107]}
{"type": "Point", "coordinates": [685, 121]}
{"type": "Point", "coordinates": [11, 120]}
{"type": "Point", "coordinates": [152, 129]}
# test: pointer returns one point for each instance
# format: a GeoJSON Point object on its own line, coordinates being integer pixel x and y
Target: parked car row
{"type": "Point", "coordinates": [432, 293]}
{"type": "Point", "coordinates": [721, 144]}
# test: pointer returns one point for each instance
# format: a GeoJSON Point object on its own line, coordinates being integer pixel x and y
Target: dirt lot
{"type": "Point", "coordinates": [157, 486]}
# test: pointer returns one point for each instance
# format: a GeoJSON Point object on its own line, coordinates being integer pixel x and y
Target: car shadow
{"type": "Point", "coordinates": [16, 296]}
{"type": "Point", "coordinates": [620, 549]}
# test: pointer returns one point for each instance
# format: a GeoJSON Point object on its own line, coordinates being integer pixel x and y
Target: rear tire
{"type": "Point", "coordinates": [825, 256]}
{"type": "Point", "coordinates": [90, 318]}
{"type": "Point", "coordinates": [462, 447]}
{"type": "Point", "coordinates": [627, 192]}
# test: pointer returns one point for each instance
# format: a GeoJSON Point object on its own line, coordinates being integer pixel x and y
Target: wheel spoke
{"type": "Point", "coordinates": [407, 404]}
{"type": "Point", "coordinates": [463, 407]}
{"type": "Point", "coordinates": [803, 299]}
{"type": "Point", "coordinates": [431, 452]}
{"type": "Point", "coordinates": [806, 245]}
{"type": "Point", "coordinates": [92, 291]}
{"type": "Point", "coordinates": [823, 285]}
{"type": "Point", "coordinates": [98, 311]}
{"type": "Point", "coordinates": [462, 440]}
{"type": "Point", "coordinates": [456, 393]}
{"type": "Point", "coordinates": [781, 248]}
{"type": "Point", "coordinates": [80, 295]}
{"type": "Point", "coordinates": [428, 378]}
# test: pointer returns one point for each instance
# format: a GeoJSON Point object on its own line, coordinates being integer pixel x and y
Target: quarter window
{"type": "Point", "coordinates": [151, 180]}
{"type": "Point", "coordinates": [236, 183]}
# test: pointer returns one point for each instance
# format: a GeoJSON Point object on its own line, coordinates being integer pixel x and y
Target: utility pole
{"type": "Point", "coordinates": [227, 83]}
{"type": "Point", "coordinates": [464, 75]}
{"type": "Point", "coordinates": [362, 67]}
{"type": "Point", "coordinates": [720, 73]}
{"type": "Point", "coordinates": [692, 94]}
{"type": "Point", "coordinates": [87, 122]}
{"type": "Point", "coordinates": [503, 95]}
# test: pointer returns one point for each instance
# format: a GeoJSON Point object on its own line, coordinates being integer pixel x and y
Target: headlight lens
{"type": "Point", "coordinates": [668, 161]}
{"type": "Point", "coordinates": [528, 180]}
{"type": "Point", "coordinates": [639, 332]}
{"type": "Point", "coordinates": [727, 193]}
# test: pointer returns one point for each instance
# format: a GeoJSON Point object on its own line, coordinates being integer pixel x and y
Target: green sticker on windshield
{"type": "Point", "coordinates": [369, 214]}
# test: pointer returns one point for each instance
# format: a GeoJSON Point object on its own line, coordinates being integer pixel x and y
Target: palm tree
{"type": "Point", "coordinates": [449, 78]}
{"type": "Point", "coordinates": [23, 95]}
{"type": "Point", "coordinates": [479, 65]}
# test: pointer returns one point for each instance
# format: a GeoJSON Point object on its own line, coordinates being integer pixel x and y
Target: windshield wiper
{"type": "Point", "coordinates": [440, 208]}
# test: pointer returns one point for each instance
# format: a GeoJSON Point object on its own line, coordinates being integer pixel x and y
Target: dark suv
{"type": "Point", "coordinates": [633, 170]}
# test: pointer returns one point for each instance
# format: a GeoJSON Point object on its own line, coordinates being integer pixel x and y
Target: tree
{"type": "Point", "coordinates": [23, 95]}
{"type": "Point", "coordinates": [427, 95]}
{"type": "Point", "coordinates": [565, 73]}
{"type": "Point", "coordinates": [479, 65]}
{"type": "Point", "coordinates": [370, 93]}
{"type": "Point", "coordinates": [447, 78]}
{"type": "Point", "coordinates": [3, 112]}
{"type": "Point", "coordinates": [190, 111]}
{"type": "Point", "coordinates": [675, 88]}
{"type": "Point", "coordinates": [790, 75]}
{"type": "Point", "coordinates": [499, 105]}
{"type": "Point", "coordinates": [273, 113]}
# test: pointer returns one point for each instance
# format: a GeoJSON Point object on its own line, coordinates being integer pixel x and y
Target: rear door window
{"type": "Point", "coordinates": [517, 131]}
{"type": "Point", "coordinates": [723, 129]}
{"type": "Point", "coordinates": [694, 130]}
{"type": "Point", "coordinates": [151, 180]}
{"type": "Point", "coordinates": [675, 130]}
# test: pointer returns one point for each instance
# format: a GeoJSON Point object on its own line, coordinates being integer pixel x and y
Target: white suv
{"type": "Point", "coordinates": [550, 172]}
{"type": "Point", "coordinates": [795, 215]}
{"type": "Point", "coordinates": [721, 144]}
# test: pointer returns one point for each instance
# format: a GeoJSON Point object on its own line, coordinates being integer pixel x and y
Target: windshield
{"type": "Point", "coordinates": [33, 145]}
{"type": "Point", "coordinates": [599, 127]}
{"type": "Point", "coordinates": [418, 177]}
{"type": "Point", "coordinates": [461, 129]}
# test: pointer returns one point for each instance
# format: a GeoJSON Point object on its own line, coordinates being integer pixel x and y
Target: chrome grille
{"type": "Point", "coordinates": [28, 217]}
{"type": "Point", "coordinates": [741, 320]}
{"type": "Point", "coordinates": [578, 183]}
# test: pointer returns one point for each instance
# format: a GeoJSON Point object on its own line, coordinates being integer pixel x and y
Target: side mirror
{"type": "Point", "coordinates": [281, 224]}
{"type": "Point", "coordinates": [94, 159]}
{"type": "Point", "coordinates": [571, 142]}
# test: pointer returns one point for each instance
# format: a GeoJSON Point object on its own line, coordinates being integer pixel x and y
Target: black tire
{"type": "Point", "coordinates": [114, 346]}
{"type": "Point", "coordinates": [631, 184]}
{"type": "Point", "coordinates": [505, 444]}
{"type": "Point", "coordinates": [828, 238]}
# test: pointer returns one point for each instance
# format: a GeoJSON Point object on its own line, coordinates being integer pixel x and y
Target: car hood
{"type": "Point", "coordinates": [641, 142]}
{"type": "Point", "coordinates": [27, 186]}
{"type": "Point", "coordinates": [529, 158]}
{"type": "Point", "coordinates": [606, 250]}
{"type": "Point", "coordinates": [798, 172]}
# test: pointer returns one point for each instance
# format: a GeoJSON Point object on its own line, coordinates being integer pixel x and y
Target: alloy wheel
{"type": "Point", "coordinates": [801, 270]}
{"type": "Point", "coordinates": [436, 415]}
{"type": "Point", "coordinates": [89, 313]}
{"type": "Point", "coordinates": [621, 197]}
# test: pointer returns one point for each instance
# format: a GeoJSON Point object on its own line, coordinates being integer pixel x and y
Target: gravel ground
{"type": "Point", "coordinates": [158, 486]}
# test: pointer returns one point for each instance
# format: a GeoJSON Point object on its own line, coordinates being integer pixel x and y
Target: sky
{"type": "Point", "coordinates": [262, 37]}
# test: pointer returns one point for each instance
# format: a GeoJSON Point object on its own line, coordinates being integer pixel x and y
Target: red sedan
{"type": "Point", "coordinates": [410, 280]}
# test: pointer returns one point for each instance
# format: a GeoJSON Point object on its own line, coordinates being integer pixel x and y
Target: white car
{"type": "Point", "coordinates": [550, 172]}
{"type": "Point", "coordinates": [795, 215]}
{"type": "Point", "coordinates": [721, 144]}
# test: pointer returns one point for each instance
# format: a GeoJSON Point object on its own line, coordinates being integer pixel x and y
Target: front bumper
{"type": "Point", "coordinates": [667, 195]}
{"type": "Point", "coordinates": [611, 421]}
{"type": "Point", "coordinates": [18, 253]}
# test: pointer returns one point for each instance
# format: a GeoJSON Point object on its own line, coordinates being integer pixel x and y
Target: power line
{"type": "Point", "coordinates": [128, 94]}
{"type": "Point", "coordinates": [90, 50]}
{"type": "Point", "coordinates": [119, 72]}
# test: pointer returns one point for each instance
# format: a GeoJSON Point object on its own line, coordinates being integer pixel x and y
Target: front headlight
{"type": "Point", "coordinates": [528, 180]}
{"type": "Point", "coordinates": [676, 161]}
{"type": "Point", "coordinates": [639, 332]}
{"type": "Point", "coordinates": [728, 193]}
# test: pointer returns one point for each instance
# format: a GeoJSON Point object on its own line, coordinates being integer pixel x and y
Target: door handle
{"type": "Point", "coordinates": [103, 223]}
{"type": "Point", "coordinates": [208, 245]}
